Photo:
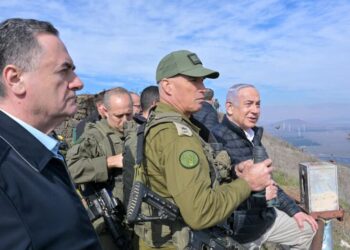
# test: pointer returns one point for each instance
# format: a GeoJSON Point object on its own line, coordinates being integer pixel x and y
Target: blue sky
{"type": "Point", "coordinates": [297, 53]}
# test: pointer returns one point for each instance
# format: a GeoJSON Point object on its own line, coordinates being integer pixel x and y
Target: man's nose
{"type": "Point", "coordinates": [201, 84]}
{"type": "Point", "coordinates": [255, 109]}
{"type": "Point", "coordinates": [76, 84]}
{"type": "Point", "coordinates": [201, 87]}
{"type": "Point", "coordinates": [124, 118]}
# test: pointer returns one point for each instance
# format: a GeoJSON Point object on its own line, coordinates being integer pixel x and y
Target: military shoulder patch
{"type": "Point", "coordinates": [189, 159]}
{"type": "Point", "coordinates": [183, 129]}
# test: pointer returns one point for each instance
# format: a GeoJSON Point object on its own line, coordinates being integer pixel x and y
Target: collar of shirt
{"type": "Point", "coordinates": [50, 143]}
{"type": "Point", "coordinates": [164, 107]}
{"type": "Point", "coordinates": [249, 133]}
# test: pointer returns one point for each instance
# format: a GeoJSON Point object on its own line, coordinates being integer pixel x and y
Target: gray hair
{"type": "Point", "coordinates": [19, 45]}
{"type": "Point", "coordinates": [232, 93]}
{"type": "Point", "coordinates": [118, 91]}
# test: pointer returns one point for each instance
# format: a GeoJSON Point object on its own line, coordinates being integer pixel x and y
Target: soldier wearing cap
{"type": "Point", "coordinates": [177, 159]}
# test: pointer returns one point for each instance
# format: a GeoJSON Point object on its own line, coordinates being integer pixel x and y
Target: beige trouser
{"type": "Point", "coordinates": [144, 246]}
{"type": "Point", "coordinates": [285, 231]}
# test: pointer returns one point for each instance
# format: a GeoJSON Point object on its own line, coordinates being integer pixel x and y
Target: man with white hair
{"type": "Point", "coordinates": [254, 220]}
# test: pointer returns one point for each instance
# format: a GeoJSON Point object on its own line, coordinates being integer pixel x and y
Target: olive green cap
{"type": "Point", "coordinates": [183, 62]}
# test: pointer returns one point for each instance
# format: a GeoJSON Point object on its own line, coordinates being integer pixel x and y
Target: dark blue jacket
{"type": "Point", "coordinates": [252, 217]}
{"type": "Point", "coordinates": [207, 115]}
{"type": "Point", "coordinates": [39, 208]}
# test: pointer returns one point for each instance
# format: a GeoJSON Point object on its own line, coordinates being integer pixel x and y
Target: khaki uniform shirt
{"type": "Point", "coordinates": [87, 163]}
{"type": "Point", "coordinates": [87, 160]}
{"type": "Point", "coordinates": [177, 168]}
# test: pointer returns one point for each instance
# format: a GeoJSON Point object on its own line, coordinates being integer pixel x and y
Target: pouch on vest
{"type": "Point", "coordinates": [219, 163]}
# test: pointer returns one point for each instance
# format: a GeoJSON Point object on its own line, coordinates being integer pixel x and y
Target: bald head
{"type": "Point", "coordinates": [117, 107]}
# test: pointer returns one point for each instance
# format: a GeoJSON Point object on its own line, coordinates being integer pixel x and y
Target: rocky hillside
{"type": "Point", "coordinates": [85, 107]}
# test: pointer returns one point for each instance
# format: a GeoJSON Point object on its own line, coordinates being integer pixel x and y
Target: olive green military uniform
{"type": "Point", "coordinates": [87, 162]}
{"type": "Point", "coordinates": [178, 169]}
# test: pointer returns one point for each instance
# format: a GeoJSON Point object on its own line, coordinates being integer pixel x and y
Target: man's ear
{"type": "Point", "coordinates": [229, 108]}
{"type": "Point", "coordinates": [167, 86]}
{"type": "Point", "coordinates": [104, 110]}
{"type": "Point", "coordinates": [154, 103]}
{"type": "Point", "coordinates": [101, 109]}
{"type": "Point", "coordinates": [13, 79]}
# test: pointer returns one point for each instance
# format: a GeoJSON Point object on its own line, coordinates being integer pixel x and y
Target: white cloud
{"type": "Point", "coordinates": [294, 46]}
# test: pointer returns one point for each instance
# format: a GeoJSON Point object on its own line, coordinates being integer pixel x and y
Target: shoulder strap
{"type": "Point", "coordinates": [140, 143]}
{"type": "Point", "coordinates": [154, 120]}
{"type": "Point", "coordinates": [107, 133]}
{"type": "Point", "coordinates": [142, 131]}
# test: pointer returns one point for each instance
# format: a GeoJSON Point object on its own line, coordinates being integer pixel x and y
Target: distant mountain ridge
{"type": "Point", "coordinates": [290, 125]}
{"type": "Point", "coordinates": [298, 124]}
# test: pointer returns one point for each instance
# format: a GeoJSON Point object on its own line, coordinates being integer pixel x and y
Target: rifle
{"type": "Point", "coordinates": [165, 209]}
{"type": "Point", "coordinates": [101, 204]}
{"type": "Point", "coordinates": [213, 238]}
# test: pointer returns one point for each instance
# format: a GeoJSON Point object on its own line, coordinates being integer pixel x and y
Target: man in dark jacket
{"type": "Point", "coordinates": [255, 221]}
{"type": "Point", "coordinates": [39, 206]}
{"type": "Point", "coordinates": [207, 115]}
